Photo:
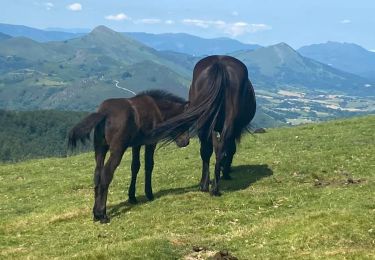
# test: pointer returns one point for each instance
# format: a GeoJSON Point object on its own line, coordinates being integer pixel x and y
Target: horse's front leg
{"type": "Point", "coordinates": [106, 176]}
{"type": "Point", "coordinates": [149, 166]}
{"type": "Point", "coordinates": [136, 164]}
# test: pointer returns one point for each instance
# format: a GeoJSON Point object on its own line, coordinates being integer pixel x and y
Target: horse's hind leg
{"type": "Point", "coordinates": [229, 153]}
{"type": "Point", "coordinates": [206, 152]}
{"type": "Point", "coordinates": [136, 164]}
{"type": "Point", "coordinates": [219, 151]}
{"type": "Point", "coordinates": [101, 149]}
{"type": "Point", "coordinates": [149, 166]}
{"type": "Point", "coordinates": [106, 176]}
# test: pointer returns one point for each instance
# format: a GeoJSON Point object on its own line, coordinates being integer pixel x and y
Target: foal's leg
{"type": "Point", "coordinates": [106, 176]}
{"type": "Point", "coordinates": [136, 164]}
{"type": "Point", "coordinates": [149, 166]}
{"type": "Point", "coordinates": [229, 153]}
{"type": "Point", "coordinates": [100, 153]}
{"type": "Point", "coordinates": [101, 148]}
{"type": "Point", "coordinates": [206, 152]}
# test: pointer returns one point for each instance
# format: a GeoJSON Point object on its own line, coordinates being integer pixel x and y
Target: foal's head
{"type": "Point", "coordinates": [171, 106]}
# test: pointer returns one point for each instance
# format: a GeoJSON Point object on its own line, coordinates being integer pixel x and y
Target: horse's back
{"type": "Point", "coordinates": [239, 105]}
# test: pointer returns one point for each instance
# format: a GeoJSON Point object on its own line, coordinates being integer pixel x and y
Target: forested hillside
{"type": "Point", "coordinates": [35, 134]}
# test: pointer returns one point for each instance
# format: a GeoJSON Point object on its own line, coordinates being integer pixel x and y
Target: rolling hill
{"type": "Point", "coordinates": [317, 205]}
{"type": "Point", "coordinates": [347, 57]}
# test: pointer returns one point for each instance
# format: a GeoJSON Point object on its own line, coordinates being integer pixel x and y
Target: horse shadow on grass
{"type": "Point", "coordinates": [245, 175]}
{"type": "Point", "coordinates": [242, 177]}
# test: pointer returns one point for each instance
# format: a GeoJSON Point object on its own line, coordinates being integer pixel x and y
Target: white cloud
{"type": "Point", "coordinates": [235, 13]}
{"type": "Point", "coordinates": [203, 23]}
{"type": "Point", "coordinates": [48, 5]}
{"type": "Point", "coordinates": [149, 21]}
{"type": "Point", "coordinates": [345, 21]}
{"type": "Point", "coordinates": [233, 29]}
{"type": "Point", "coordinates": [75, 7]}
{"type": "Point", "coordinates": [117, 17]}
{"type": "Point", "coordinates": [169, 22]}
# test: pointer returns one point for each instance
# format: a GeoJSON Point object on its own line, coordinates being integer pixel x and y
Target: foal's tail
{"type": "Point", "coordinates": [201, 115]}
{"type": "Point", "coordinates": [81, 131]}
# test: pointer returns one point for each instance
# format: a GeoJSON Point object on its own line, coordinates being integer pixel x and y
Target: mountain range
{"type": "Point", "coordinates": [280, 65]}
{"type": "Point", "coordinates": [78, 73]}
{"type": "Point", "coordinates": [190, 44]}
{"type": "Point", "coordinates": [348, 57]}
{"type": "Point", "coordinates": [36, 34]}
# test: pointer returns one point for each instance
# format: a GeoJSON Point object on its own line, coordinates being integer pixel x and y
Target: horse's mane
{"type": "Point", "coordinates": [162, 95]}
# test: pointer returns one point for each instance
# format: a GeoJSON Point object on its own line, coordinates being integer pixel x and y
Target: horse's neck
{"type": "Point", "coordinates": [169, 109]}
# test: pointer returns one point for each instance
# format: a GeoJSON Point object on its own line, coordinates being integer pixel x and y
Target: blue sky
{"type": "Point", "coordinates": [296, 22]}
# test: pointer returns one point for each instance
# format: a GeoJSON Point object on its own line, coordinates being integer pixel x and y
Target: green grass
{"type": "Point", "coordinates": [303, 192]}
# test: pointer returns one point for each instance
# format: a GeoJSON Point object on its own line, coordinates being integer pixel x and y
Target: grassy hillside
{"type": "Point", "coordinates": [297, 192]}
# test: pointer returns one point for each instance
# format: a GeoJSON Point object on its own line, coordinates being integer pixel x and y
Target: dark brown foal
{"type": "Point", "coordinates": [121, 123]}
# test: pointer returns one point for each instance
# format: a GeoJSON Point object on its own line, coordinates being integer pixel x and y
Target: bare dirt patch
{"type": "Point", "coordinates": [203, 253]}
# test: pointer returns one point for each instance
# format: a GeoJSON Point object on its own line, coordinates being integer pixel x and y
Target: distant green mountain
{"type": "Point", "coordinates": [190, 44]}
{"type": "Point", "coordinates": [79, 73]}
{"type": "Point", "coordinates": [4, 36]}
{"type": "Point", "coordinates": [36, 34]}
{"type": "Point", "coordinates": [348, 57]}
{"type": "Point", "coordinates": [280, 65]}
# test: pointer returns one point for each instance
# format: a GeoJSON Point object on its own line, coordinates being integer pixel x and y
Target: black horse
{"type": "Point", "coordinates": [121, 123]}
{"type": "Point", "coordinates": [222, 104]}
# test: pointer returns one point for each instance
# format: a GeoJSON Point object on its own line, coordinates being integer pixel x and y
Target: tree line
{"type": "Point", "coordinates": [36, 134]}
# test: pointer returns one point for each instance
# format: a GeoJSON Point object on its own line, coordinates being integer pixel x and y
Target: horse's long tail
{"type": "Point", "coordinates": [81, 131]}
{"type": "Point", "coordinates": [199, 115]}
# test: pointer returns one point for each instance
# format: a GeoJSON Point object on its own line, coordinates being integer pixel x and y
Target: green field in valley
{"type": "Point", "coordinates": [302, 192]}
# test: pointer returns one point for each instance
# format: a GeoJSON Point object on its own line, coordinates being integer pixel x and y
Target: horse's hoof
{"type": "Point", "coordinates": [204, 189]}
{"type": "Point", "coordinates": [105, 220]}
{"type": "Point", "coordinates": [133, 200]}
{"type": "Point", "coordinates": [215, 193]}
{"type": "Point", "coordinates": [102, 219]}
{"type": "Point", "coordinates": [150, 197]}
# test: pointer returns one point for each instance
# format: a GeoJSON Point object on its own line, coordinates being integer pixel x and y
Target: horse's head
{"type": "Point", "coordinates": [183, 139]}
